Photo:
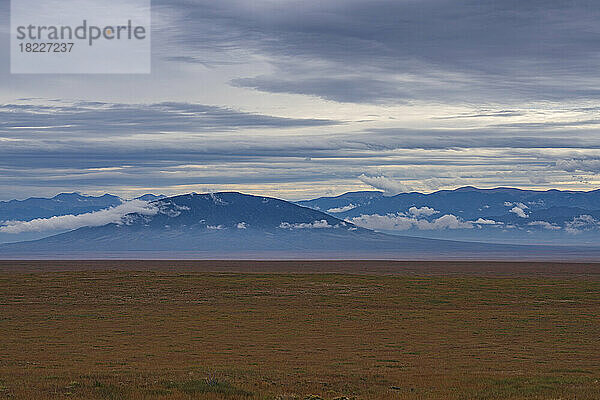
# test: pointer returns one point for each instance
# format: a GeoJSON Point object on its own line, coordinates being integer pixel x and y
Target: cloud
{"type": "Point", "coordinates": [337, 210]}
{"type": "Point", "coordinates": [532, 63]}
{"type": "Point", "coordinates": [169, 208]}
{"type": "Point", "coordinates": [389, 186]}
{"type": "Point", "coordinates": [482, 221]}
{"type": "Point", "coordinates": [389, 222]}
{"type": "Point", "coordinates": [538, 179]}
{"type": "Point", "coordinates": [178, 147]}
{"type": "Point", "coordinates": [358, 51]}
{"type": "Point", "coordinates": [519, 212]}
{"type": "Point", "coordinates": [516, 204]}
{"type": "Point", "coordinates": [108, 119]}
{"type": "Point", "coordinates": [322, 224]}
{"type": "Point", "coordinates": [112, 215]}
{"type": "Point", "coordinates": [400, 222]}
{"type": "Point", "coordinates": [517, 208]}
{"type": "Point", "coordinates": [487, 114]}
{"type": "Point", "coordinates": [582, 223]}
{"type": "Point", "coordinates": [579, 165]}
{"type": "Point", "coordinates": [348, 90]}
{"type": "Point", "coordinates": [447, 221]}
{"type": "Point", "coordinates": [215, 227]}
{"type": "Point", "coordinates": [423, 211]}
{"type": "Point", "coordinates": [545, 225]}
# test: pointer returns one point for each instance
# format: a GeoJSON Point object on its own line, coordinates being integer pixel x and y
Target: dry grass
{"type": "Point", "coordinates": [168, 334]}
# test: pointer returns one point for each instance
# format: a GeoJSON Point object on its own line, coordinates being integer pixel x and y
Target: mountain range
{"type": "Point", "coordinates": [60, 205]}
{"type": "Point", "coordinates": [468, 213]}
{"type": "Point", "coordinates": [354, 225]}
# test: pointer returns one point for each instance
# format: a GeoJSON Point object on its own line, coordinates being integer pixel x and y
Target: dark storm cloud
{"type": "Point", "coordinates": [349, 50]}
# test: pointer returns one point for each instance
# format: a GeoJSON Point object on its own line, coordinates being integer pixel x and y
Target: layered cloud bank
{"type": "Point", "coordinates": [402, 222]}
{"type": "Point", "coordinates": [202, 148]}
{"type": "Point", "coordinates": [68, 222]}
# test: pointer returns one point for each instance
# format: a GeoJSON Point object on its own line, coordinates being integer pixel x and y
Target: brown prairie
{"type": "Point", "coordinates": [291, 330]}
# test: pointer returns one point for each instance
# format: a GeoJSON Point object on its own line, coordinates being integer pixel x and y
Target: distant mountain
{"type": "Point", "coordinates": [150, 197]}
{"type": "Point", "coordinates": [470, 202]}
{"type": "Point", "coordinates": [62, 204]}
{"type": "Point", "coordinates": [343, 203]}
{"type": "Point", "coordinates": [234, 225]}
{"type": "Point", "coordinates": [501, 214]}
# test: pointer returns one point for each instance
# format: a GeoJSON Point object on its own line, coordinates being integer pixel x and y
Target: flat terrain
{"type": "Point", "coordinates": [288, 330]}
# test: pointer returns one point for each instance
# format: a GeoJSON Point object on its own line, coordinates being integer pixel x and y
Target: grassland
{"type": "Point", "coordinates": [362, 330]}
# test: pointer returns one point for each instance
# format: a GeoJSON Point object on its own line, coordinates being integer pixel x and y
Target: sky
{"type": "Point", "coordinates": [299, 99]}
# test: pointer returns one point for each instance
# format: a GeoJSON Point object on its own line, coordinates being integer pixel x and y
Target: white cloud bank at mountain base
{"type": "Point", "coordinates": [483, 221]}
{"type": "Point", "coordinates": [426, 211]}
{"type": "Point", "coordinates": [112, 215]}
{"type": "Point", "coordinates": [336, 210]}
{"type": "Point", "coordinates": [582, 223]}
{"type": "Point", "coordinates": [401, 222]}
{"type": "Point", "coordinates": [545, 225]}
{"type": "Point", "coordinates": [322, 224]}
